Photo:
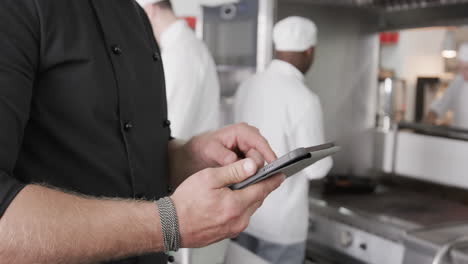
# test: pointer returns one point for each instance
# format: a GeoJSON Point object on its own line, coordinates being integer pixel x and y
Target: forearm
{"type": "Point", "coordinates": [49, 226]}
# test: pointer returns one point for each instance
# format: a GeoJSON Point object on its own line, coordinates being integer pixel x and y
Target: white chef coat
{"type": "Point", "coordinates": [289, 115]}
{"type": "Point", "coordinates": [455, 98]}
{"type": "Point", "coordinates": [192, 84]}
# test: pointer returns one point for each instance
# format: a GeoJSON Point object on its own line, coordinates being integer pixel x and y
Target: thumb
{"type": "Point", "coordinates": [234, 173]}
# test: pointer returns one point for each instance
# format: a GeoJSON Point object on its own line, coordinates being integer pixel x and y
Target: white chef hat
{"type": "Point", "coordinates": [295, 34]}
{"type": "Point", "coordinates": [147, 2]}
{"type": "Point", "coordinates": [463, 53]}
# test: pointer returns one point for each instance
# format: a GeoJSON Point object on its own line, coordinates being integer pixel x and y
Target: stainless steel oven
{"type": "Point", "coordinates": [332, 242]}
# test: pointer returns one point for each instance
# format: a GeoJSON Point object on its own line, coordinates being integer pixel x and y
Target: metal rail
{"type": "Point", "coordinates": [441, 254]}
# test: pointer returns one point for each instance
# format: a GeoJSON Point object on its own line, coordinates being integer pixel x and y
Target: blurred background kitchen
{"type": "Point", "coordinates": [398, 191]}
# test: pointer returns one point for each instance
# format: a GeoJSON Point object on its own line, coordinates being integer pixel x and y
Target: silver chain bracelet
{"type": "Point", "coordinates": [169, 224]}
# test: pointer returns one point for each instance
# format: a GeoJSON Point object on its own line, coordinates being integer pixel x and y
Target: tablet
{"type": "Point", "coordinates": [290, 164]}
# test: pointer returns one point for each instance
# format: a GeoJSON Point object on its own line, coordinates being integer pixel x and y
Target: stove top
{"type": "Point", "coordinates": [403, 207]}
{"type": "Point", "coordinates": [414, 225]}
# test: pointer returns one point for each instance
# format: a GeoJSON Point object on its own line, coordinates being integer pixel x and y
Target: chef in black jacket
{"type": "Point", "coordinates": [85, 145]}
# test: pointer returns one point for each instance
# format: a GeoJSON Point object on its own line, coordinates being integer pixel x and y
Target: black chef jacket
{"type": "Point", "coordinates": [82, 101]}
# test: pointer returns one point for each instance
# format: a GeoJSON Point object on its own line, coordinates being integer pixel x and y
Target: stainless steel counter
{"type": "Point", "coordinates": [389, 219]}
{"type": "Point", "coordinates": [422, 244]}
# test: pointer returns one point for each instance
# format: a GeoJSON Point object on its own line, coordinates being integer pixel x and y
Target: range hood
{"type": "Point", "coordinates": [389, 5]}
{"type": "Point", "coordinates": [400, 14]}
{"type": "Point", "coordinates": [395, 5]}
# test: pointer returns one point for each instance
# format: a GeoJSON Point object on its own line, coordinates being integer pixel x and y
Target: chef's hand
{"type": "Point", "coordinates": [208, 211]}
{"type": "Point", "coordinates": [230, 144]}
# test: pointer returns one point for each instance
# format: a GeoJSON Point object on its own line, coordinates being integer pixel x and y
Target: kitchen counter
{"type": "Point", "coordinates": [436, 131]}
{"type": "Point", "coordinates": [392, 215]}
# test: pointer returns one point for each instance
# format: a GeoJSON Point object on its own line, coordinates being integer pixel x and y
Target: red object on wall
{"type": "Point", "coordinates": [191, 21]}
{"type": "Point", "coordinates": [389, 38]}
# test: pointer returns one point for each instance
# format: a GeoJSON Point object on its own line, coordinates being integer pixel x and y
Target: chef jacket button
{"type": "Point", "coordinates": [170, 259]}
{"type": "Point", "coordinates": [167, 123]}
{"type": "Point", "coordinates": [128, 126]}
{"type": "Point", "coordinates": [156, 56]}
{"type": "Point", "coordinates": [116, 49]}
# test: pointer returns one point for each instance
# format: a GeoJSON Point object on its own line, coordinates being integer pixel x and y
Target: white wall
{"type": "Point", "coordinates": [417, 54]}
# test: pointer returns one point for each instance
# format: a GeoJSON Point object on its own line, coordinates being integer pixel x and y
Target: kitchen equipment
{"type": "Point", "coordinates": [427, 90]}
{"type": "Point", "coordinates": [433, 159]}
{"type": "Point", "coordinates": [436, 131]}
{"type": "Point", "coordinates": [354, 246]}
{"type": "Point", "coordinates": [444, 244]}
{"type": "Point", "coordinates": [391, 225]}
{"type": "Point", "coordinates": [239, 36]}
{"type": "Point", "coordinates": [391, 102]}
{"type": "Point", "coordinates": [446, 249]}
{"type": "Point", "coordinates": [349, 184]}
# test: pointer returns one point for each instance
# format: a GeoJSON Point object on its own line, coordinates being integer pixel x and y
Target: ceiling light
{"type": "Point", "coordinates": [449, 47]}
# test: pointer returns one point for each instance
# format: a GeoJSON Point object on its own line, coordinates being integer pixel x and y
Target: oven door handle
{"type": "Point", "coordinates": [448, 247]}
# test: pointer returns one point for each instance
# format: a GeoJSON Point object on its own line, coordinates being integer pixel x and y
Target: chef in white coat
{"type": "Point", "coordinates": [455, 97]}
{"type": "Point", "coordinates": [289, 115]}
{"type": "Point", "coordinates": [192, 84]}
